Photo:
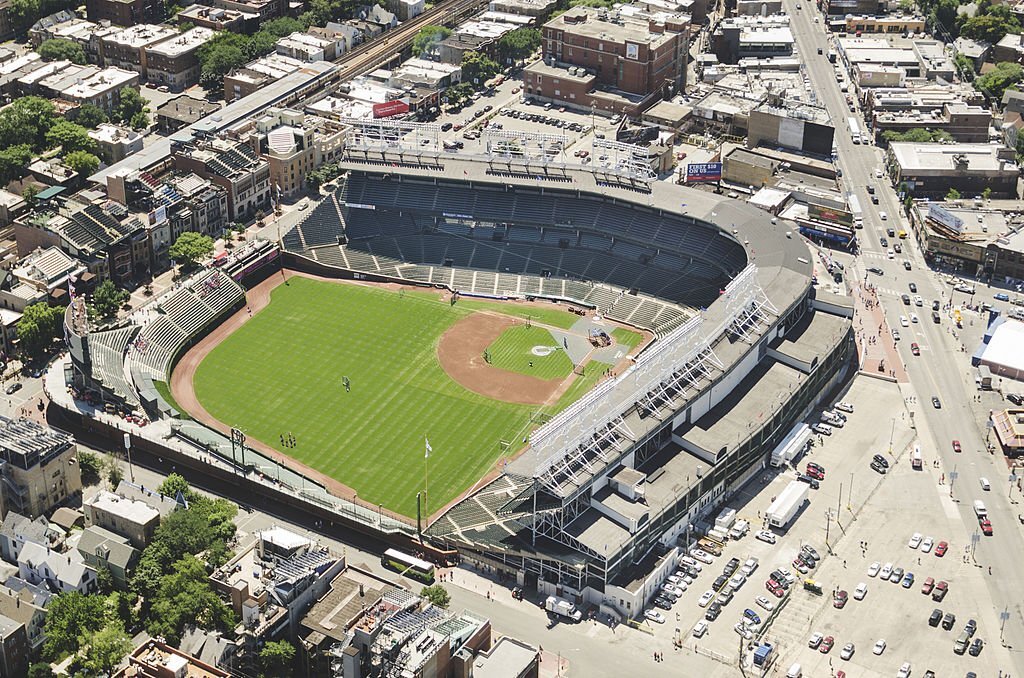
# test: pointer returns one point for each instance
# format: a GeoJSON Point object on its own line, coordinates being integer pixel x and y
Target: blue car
{"type": "Point", "coordinates": [1002, 296]}
{"type": "Point", "coordinates": [751, 616]}
{"type": "Point", "coordinates": [908, 580]}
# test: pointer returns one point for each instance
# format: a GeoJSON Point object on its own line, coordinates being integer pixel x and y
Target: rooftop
{"type": "Point", "coordinates": [587, 22]}
{"type": "Point", "coordinates": [939, 157]}
{"type": "Point", "coordinates": [183, 43]}
{"type": "Point", "coordinates": [107, 133]}
{"type": "Point", "coordinates": [130, 510]}
{"type": "Point", "coordinates": [141, 35]}
{"type": "Point", "coordinates": [184, 107]}
{"type": "Point", "coordinates": [154, 658]}
{"type": "Point", "coordinates": [508, 658]}
{"type": "Point", "coordinates": [105, 81]}
{"type": "Point", "coordinates": [353, 593]}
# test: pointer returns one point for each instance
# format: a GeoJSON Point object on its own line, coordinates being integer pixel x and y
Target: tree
{"type": "Point", "coordinates": [105, 648]}
{"type": "Point", "coordinates": [427, 36]}
{"type": "Point", "coordinates": [184, 596]}
{"type": "Point", "coordinates": [107, 298]}
{"type": "Point", "coordinates": [478, 68]}
{"type": "Point", "coordinates": [115, 474]}
{"type": "Point", "coordinates": [60, 49]}
{"type": "Point", "coordinates": [990, 28]}
{"type": "Point", "coordinates": [90, 466]}
{"type": "Point", "coordinates": [90, 116]}
{"type": "Point", "coordinates": [83, 162]}
{"type": "Point", "coordinates": [129, 103]}
{"type": "Point", "coordinates": [70, 617]}
{"type": "Point", "coordinates": [139, 121]}
{"type": "Point", "coordinates": [217, 59]}
{"type": "Point", "coordinates": [175, 484]}
{"type": "Point", "coordinates": [436, 594]}
{"type": "Point", "coordinates": [907, 6]}
{"type": "Point", "coordinates": [14, 162]}
{"type": "Point", "coordinates": [952, 194]}
{"type": "Point", "coordinates": [943, 16]}
{"type": "Point", "coordinates": [986, 194]}
{"type": "Point", "coordinates": [40, 670]}
{"type": "Point", "coordinates": [190, 247]}
{"type": "Point", "coordinates": [283, 26]}
{"type": "Point", "coordinates": [276, 658]}
{"type": "Point", "coordinates": [518, 44]}
{"type": "Point", "coordinates": [996, 81]}
{"type": "Point", "coordinates": [70, 137]}
{"type": "Point", "coordinates": [39, 325]}
{"type": "Point", "coordinates": [26, 121]}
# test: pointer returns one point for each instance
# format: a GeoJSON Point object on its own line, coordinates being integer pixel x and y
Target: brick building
{"type": "Point", "coordinates": [126, 12]}
{"type": "Point", "coordinates": [175, 62]}
{"type": "Point", "coordinates": [629, 58]}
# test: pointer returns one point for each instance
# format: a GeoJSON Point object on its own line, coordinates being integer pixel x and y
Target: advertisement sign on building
{"type": "Point", "coordinates": [944, 217]}
{"type": "Point", "coordinates": [829, 214]}
{"type": "Point", "coordinates": [704, 171]}
{"type": "Point", "coordinates": [390, 108]}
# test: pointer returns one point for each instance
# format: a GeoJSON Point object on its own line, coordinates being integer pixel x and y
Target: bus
{"type": "Point", "coordinates": [410, 566]}
{"type": "Point", "coordinates": [854, 129]}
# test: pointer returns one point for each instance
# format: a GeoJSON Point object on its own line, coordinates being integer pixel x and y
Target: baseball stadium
{"type": "Point", "coordinates": [555, 370]}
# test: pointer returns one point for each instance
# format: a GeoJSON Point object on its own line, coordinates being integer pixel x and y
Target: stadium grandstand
{"type": "Point", "coordinates": [117, 364]}
{"type": "Point", "coordinates": [607, 494]}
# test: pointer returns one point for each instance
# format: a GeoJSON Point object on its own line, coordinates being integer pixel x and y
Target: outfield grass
{"type": "Point", "coordinates": [592, 373]}
{"type": "Point", "coordinates": [512, 351]}
{"type": "Point", "coordinates": [627, 338]}
{"type": "Point", "coordinates": [281, 372]}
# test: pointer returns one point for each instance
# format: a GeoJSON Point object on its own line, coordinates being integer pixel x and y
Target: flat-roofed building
{"type": "Point", "coordinates": [931, 170]}
{"type": "Point", "coordinates": [130, 518]}
{"type": "Point", "coordinates": [126, 12]}
{"type": "Point", "coordinates": [154, 659]}
{"type": "Point", "coordinates": [218, 18]}
{"type": "Point", "coordinates": [967, 124]}
{"type": "Point", "coordinates": [114, 142]}
{"type": "Point", "coordinates": [257, 74]}
{"type": "Point", "coordinates": [182, 111]}
{"type": "Point", "coordinates": [102, 89]}
{"type": "Point", "coordinates": [127, 49]}
{"type": "Point", "coordinates": [884, 23]}
{"type": "Point", "coordinates": [39, 465]}
{"type": "Point", "coordinates": [175, 62]}
{"type": "Point", "coordinates": [304, 47]}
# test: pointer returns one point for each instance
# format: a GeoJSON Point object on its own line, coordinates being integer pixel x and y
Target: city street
{"type": "Point", "coordinates": [943, 368]}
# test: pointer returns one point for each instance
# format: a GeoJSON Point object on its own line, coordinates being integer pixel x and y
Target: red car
{"type": "Point", "coordinates": [940, 549]}
{"type": "Point", "coordinates": [956, 446]}
{"type": "Point", "coordinates": [915, 349]}
{"type": "Point", "coordinates": [774, 588]}
{"type": "Point", "coordinates": [928, 585]}
{"type": "Point", "coordinates": [986, 527]}
{"type": "Point", "coordinates": [826, 645]}
{"type": "Point", "coordinates": [839, 599]}
{"type": "Point", "coordinates": [815, 473]}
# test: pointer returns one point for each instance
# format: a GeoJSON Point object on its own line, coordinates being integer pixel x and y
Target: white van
{"type": "Point", "coordinates": [985, 485]}
{"type": "Point", "coordinates": [795, 671]}
{"type": "Point", "coordinates": [979, 508]}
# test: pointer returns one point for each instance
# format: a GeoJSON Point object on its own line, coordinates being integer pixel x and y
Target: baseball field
{"type": "Point", "coordinates": [282, 375]}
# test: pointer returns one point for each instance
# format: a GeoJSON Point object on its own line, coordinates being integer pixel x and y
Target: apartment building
{"type": "Point", "coordinates": [126, 12]}
{"type": "Point", "coordinates": [293, 144]}
{"type": "Point", "coordinates": [264, 9]}
{"type": "Point", "coordinates": [232, 165]}
{"type": "Point", "coordinates": [257, 74]}
{"type": "Point", "coordinates": [587, 49]}
{"type": "Point", "coordinates": [931, 170]}
{"type": "Point", "coordinates": [218, 18]}
{"type": "Point", "coordinates": [38, 467]}
{"type": "Point", "coordinates": [130, 518]}
{"type": "Point", "coordinates": [175, 62]}
{"type": "Point", "coordinates": [305, 47]}
{"type": "Point", "coordinates": [966, 124]}
{"type": "Point", "coordinates": [114, 143]}
{"type": "Point", "coordinates": [101, 89]}
{"type": "Point", "coordinates": [127, 49]}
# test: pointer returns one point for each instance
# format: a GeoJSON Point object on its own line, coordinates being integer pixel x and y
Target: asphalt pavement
{"type": "Point", "coordinates": [943, 368]}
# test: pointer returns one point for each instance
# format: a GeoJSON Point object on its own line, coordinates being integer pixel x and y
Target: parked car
{"type": "Point", "coordinates": [940, 549]}
{"type": "Point", "coordinates": [948, 621]}
{"type": "Point", "coordinates": [873, 569]}
{"type": "Point", "coordinates": [826, 645]}
{"type": "Point", "coordinates": [915, 540]}
{"type": "Point", "coordinates": [847, 652]}
{"type": "Point", "coordinates": [878, 468]}
{"type": "Point", "coordinates": [751, 616]}
{"type": "Point", "coordinates": [928, 585]}
{"type": "Point", "coordinates": [976, 647]}
{"type": "Point", "coordinates": [815, 640]}
{"type": "Point", "coordinates": [881, 460]}
{"type": "Point", "coordinates": [908, 580]}
{"type": "Point", "coordinates": [764, 603]}
{"type": "Point", "coordinates": [860, 591]}
{"type": "Point", "coordinates": [713, 611]}
{"type": "Point", "coordinates": [935, 618]}
{"type": "Point", "coordinates": [940, 590]}
{"type": "Point", "coordinates": [765, 536]}
{"type": "Point", "coordinates": [839, 599]}
{"type": "Point", "coordinates": [879, 647]}
{"type": "Point", "coordinates": [897, 575]}
{"type": "Point", "coordinates": [654, 616]}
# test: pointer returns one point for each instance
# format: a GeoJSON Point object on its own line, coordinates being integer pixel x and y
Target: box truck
{"type": "Point", "coordinates": [787, 504]}
{"type": "Point", "coordinates": [562, 608]}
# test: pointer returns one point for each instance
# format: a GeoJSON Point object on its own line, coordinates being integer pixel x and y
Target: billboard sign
{"type": "Point", "coordinates": [390, 108]}
{"type": "Point", "coordinates": [944, 217]}
{"type": "Point", "coordinates": [704, 171]}
{"type": "Point", "coordinates": [829, 214]}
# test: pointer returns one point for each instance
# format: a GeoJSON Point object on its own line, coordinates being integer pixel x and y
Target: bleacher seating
{"type": "Point", "coordinates": [107, 351]}
{"type": "Point", "coordinates": [330, 256]}
{"type": "Point", "coordinates": [323, 225]}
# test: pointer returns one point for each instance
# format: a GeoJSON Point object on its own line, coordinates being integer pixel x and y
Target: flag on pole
{"type": "Point", "coordinates": [430, 449]}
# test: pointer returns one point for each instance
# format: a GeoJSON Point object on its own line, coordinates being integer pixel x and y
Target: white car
{"type": "Point", "coordinates": [737, 581]}
{"type": "Point", "coordinates": [703, 557]}
{"type": "Point", "coordinates": [765, 536]}
{"type": "Point", "coordinates": [815, 640]}
{"type": "Point", "coordinates": [675, 580]}
{"type": "Point", "coordinates": [896, 335]}
{"type": "Point", "coordinates": [926, 545]}
{"type": "Point", "coordinates": [890, 253]}
{"type": "Point", "coordinates": [654, 616]}
{"type": "Point", "coordinates": [915, 540]}
{"type": "Point", "coordinates": [845, 407]}
{"type": "Point", "coordinates": [742, 629]}
{"type": "Point", "coordinates": [878, 175]}
{"type": "Point", "coordinates": [879, 647]}
{"type": "Point", "coordinates": [913, 318]}
{"type": "Point", "coordinates": [873, 569]}
{"type": "Point", "coordinates": [904, 671]}
{"type": "Point", "coordinates": [690, 562]}
{"type": "Point", "coordinates": [789, 576]}
{"type": "Point", "coordinates": [706, 598]}
{"type": "Point", "coordinates": [700, 629]}
{"type": "Point", "coordinates": [883, 216]}
{"type": "Point", "coordinates": [904, 322]}
{"type": "Point", "coordinates": [847, 651]}
{"type": "Point", "coordinates": [671, 590]}
{"type": "Point", "coordinates": [918, 301]}
{"type": "Point", "coordinates": [886, 571]}
{"type": "Point", "coordinates": [764, 603]}
{"type": "Point", "coordinates": [860, 591]}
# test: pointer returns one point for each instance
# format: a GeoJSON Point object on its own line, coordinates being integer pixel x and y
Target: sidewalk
{"type": "Point", "coordinates": [875, 345]}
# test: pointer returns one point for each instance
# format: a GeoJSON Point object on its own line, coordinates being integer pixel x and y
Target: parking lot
{"type": "Point", "coordinates": [854, 505]}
